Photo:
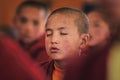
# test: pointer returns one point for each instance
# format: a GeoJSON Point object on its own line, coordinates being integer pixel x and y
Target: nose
{"type": "Point", "coordinates": [29, 28]}
{"type": "Point", "coordinates": [53, 42]}
{"type": "Point", "coordinates": [55, 39]}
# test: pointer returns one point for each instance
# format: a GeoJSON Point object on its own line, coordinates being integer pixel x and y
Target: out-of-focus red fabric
{"type": "Point", "coordinates": [14, 64]}
{"type": "Point", "coordinates": [92, 67]}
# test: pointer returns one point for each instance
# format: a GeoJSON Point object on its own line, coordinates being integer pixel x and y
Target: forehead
{"type": "Point", "coordinates": [94, 14]}
{"type": "Point", "coordinates": [61, 20]}
{"type": "Point", "coordinates": [32, 12]}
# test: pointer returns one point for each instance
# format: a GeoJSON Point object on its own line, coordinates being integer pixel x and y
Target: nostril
{"type": "Point", "coordinates": [53, 42]}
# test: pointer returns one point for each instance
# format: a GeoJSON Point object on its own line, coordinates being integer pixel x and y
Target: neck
{"type": "Point", "coordinates": [60, 64]}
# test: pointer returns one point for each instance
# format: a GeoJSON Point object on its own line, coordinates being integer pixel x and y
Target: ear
{"type": "Point", "coordinates": [84, 40]}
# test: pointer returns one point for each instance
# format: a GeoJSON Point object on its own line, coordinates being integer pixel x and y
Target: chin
{"type": "Point", "coordinates": [56, 57]}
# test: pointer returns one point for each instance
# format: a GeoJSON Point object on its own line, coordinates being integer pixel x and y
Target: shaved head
{"type": "Point", "coordinates": [80, 19]}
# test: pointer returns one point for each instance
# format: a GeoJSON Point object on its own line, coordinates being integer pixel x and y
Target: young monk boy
{"type": "Point", "coordinates": [66, 37]}
{"type": "Point", "coordinates": [29, 21]}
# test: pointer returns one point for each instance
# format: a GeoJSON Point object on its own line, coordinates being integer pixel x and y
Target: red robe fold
{"type": "Point", "coordinates": [15, 64]}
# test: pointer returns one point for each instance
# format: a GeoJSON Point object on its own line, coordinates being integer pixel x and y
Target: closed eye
{"type": "Point", "coordinates": [64, 33]}
{"type": "Point", "coordinates": [48, 32]}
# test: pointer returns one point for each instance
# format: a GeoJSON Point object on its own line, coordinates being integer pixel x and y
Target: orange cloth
{"type": "Point", "coordinates": [57, 74]}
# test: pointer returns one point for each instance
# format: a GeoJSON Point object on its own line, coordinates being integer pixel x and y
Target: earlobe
{"type": "Point", "coordinates": [84, 40]}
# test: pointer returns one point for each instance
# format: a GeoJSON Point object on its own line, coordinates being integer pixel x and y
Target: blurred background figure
{"type": "Point", "coordinates": [99, 30]}
{"type": "Point", "coordinates": [30, 21]}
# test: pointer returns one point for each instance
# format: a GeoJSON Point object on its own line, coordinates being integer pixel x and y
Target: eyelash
{"type": "Point", "coordinates": [49, 34]}
{"type": "Point", "coordinates": [64, 33]}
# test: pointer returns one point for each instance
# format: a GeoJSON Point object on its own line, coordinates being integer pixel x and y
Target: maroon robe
{"type": "Point", "coordinates": [15, 64]}
{"type": "Point", "coordinates": [93, 67]}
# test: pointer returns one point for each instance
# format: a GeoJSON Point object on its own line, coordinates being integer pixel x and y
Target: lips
{"type": "Point", "coordinates": [54, 50]}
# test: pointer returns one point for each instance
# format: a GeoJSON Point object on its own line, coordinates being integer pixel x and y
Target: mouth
{"type": "Point", "coordinates": [54, 50]}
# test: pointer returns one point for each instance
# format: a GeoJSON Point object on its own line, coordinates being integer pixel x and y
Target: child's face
{"type": "Point", "coordinates": [99, 29]}
{"type": "Point", "coordinates": [62, 37]}
{"type": "Point", "coordinates": [30, 24]}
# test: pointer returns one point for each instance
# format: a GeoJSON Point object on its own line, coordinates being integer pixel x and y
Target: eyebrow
{"type": "Point", "coordinates": [61, 28]}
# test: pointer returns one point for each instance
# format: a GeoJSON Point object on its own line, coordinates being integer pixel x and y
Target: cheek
{"type": "Point", "coordinates": [21, 30]}
{"type": "Point", "coordinates": [47, 43]}
{"type": "Point", "coordinates": [20, 27]}
{"type": "Point", "coordinates": [66, 43]}
{"type": "Point", "coordinates": [104, 30]}
{"type": "Point", "coordinates": [105, 34]}
{"type": "Point", "coordinates": [35, 31]}
{"type": "Point", "coordinates": [70, 49]}
{"type": "Point", "coordinates": [95, 32]}
{"type": "Point", "coordinates": [68, 46]}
